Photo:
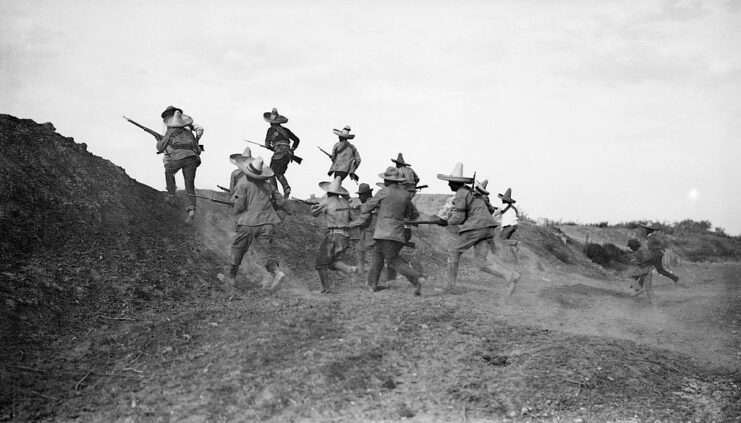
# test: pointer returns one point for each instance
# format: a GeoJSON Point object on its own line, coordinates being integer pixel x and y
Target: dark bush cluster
{"type": "Point", "coordinates": [606, 255]}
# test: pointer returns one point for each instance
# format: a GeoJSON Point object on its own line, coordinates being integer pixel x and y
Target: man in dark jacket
{"type": "Point", "coordinates": [656, 248]}
{"type": "Point", "coordinates": [394, 204]}
{"type": "Point", "coordinates": [472, 212]}
{"type": "Point", "coordinates": [181, 152]}
{"type": "Point", "coordinates": [278, 139]}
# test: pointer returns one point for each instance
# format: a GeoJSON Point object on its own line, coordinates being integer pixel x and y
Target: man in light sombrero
{"type": "Point", "coordinates": [394, 204]}
{"type": "Point", "coordinates": [254, 204]}
{"type": "Point", "coordinates": [237, 173]}
{"type": "Point", "coordinates": [336, 212]}
{"type": "Point", "coordinates": [181, 152]}
{"type": "Point", "coordinates": [345, 157]}
{"type": "Point", "coordinates": [476, 229]}
{"type": "Point", "coordinates": [278, 139]}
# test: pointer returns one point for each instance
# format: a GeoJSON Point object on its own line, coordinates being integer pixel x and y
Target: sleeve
{"type": "Point", "coordinates": [294, 138]}
{"type": "Point", "coordinates": [411, 212]}
{"type": "Point", "coordinates": [278, 200]}
{"type": "Point", "coordinates": [269, 138]}
{"type": "Point", "coordinates": [240, 199]}
{"type": "Point", "coordinates": [356, 158]}
{"type": "Point", "coordinates": [367, 208]}
{"type": "Point", "coordinates": [165, 140]}
{"type": "Point", "coordinates": [334, 152]}
{"type": "Point", "coordinates": [416, 178]}
{"type": "Point", "coordinates": [460, 206]}
{"type": "Point", "coordinates": [317, 209]}
{"type": "Point", "coordinates": [198, 130]}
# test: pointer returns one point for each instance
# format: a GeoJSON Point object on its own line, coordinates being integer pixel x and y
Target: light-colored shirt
{"type": "Point", "coordinates": [509, 217]}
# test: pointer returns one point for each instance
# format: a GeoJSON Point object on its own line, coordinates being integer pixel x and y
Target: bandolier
{"type": "Point", "coordinates": [279, 138]}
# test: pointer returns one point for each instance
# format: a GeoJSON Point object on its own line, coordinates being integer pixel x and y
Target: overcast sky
{"type": "Point", "coordinates": [589, 111]}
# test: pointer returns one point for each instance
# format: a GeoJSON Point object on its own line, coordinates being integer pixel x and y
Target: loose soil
{"type": "Point", "coordinates": [133, 325]}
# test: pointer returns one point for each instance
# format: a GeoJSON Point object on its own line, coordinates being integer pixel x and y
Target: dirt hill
{"type": "Point", "coordinates": [112, 311]}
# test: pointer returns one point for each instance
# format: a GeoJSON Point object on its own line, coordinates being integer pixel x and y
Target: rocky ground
{"type": "Point", "coordinates": [112, 311]}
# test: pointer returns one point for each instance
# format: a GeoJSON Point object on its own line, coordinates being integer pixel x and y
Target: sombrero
{"type": "Point", "coordinates": [507, 197]}
{"type": "Point", "coordinates": [649, 225]}
{"type": "Point", "coordinates": [274, 117]}
{"type": "Point", "coordinates": [392, 174]}
{"type": "Point", "coordinates": [400, 160]}
{"type": "Point", "coordinates": [334, 187]}
{"type": "Point", "coordinates": [247, 154]}
{"type": "Point", "coordinates": [169, 111]}
{"type": "Point", "coordinates": [456, 175]}
{"type": "Point", "coordinates": [364, 189]}
{"type": "Point", "coordinates": [344, 133]}
{"type": "Point", "coordinates": [481, 186]}
{"type": "Point", "coordinates": [177, 119]}
{"type": "Point", "coordinates": [254, 168]}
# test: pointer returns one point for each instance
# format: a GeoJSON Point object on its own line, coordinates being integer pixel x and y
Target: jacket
{"type": "Point", "coordinates": [179, 143]}
{"type": "Point", "coordinates": [345, 158]}
{"type": "Point", "coordinates": [655, 244]}
{"type": "Point", "coordinates": [328, 207]}
{"type": "Point", "coordinates": [253, 202]}
{"type": "Point", "coordinates": [394, 204]}
{"type": "Point", "coordinates": [643, 262]}
{"type": "Point", "coordinates": [471, 211]}
{"type": "Point", "coordinates": [410, 176]}
{"type": "Point", "coordinates": [278, 139]}
{"type": "Point", "coordinates": [233, 179]}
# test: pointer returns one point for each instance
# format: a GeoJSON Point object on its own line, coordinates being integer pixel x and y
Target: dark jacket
{"type": "Point", "coordinates": [394, 204]}
{"type": "Point", "coordinates": [470, 211]}
{"type": "Point", "coordinates": [278, 139]}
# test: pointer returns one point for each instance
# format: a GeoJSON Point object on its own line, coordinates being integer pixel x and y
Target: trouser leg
{"type": "Point", "coordinates": [495, 268]}
{"type": "Point", "coordinates": [360, 256]}
{"type": "Point", "coordinates": [374, 273]}
{"type": "Point", "coordinates": [170, 180]}
{"type": "Point", "coordinates": [648, 286]}
{"type": "Point", "coordinates": [391, 255]}
{"type": "Point", "coordinates": [189, 176]}
{"type": "Point", "coordinates": [284, 184]}
{"type": "Point", "coordinates": [453, 261]}
{"type": "Point", "coordinates": [659, 265]}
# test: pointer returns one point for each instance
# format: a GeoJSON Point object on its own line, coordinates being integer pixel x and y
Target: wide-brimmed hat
{"type": "Point", "coordinates": [254, 168]}
{"type": "Point", "coordinates": [456, 175]}
{"type": "Point", "coordinates": [481, 186]}
{"type": "Point", "coordinates": [648, 225]}
{"type": "Point", "coordinates": [364, 189]}
{"type": "Point", "coordinates": [344, 133]}
{"type": "Point", "coordinates": [274, 117]}
{"type": "Point", "coordinates": [392, 174]}
{"type": "Point", "coordinates": [169, 111]}
{"type": "Point", "coordinates": [507, 196]}
{"type": "Point", "coordinates": [177, 119]}
{"type": "Point", "coordinates": [400, 160]}
{"type": "Point", "coordinates": [247, 153]}
{"type": "Point", "coordinates": [334, 187]}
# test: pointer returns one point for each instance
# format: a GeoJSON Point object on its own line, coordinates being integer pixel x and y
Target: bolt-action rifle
{"type": "Point", "coordinates": [325, 152]}
{"type": "Point", "coordinates": [421, 187]}
{"type": "Point", "coordinates": [223, 189]}
{"type": "Point", "coordinates": [294, 157]}
{"type": "Point", "coordinates": [226, 203]}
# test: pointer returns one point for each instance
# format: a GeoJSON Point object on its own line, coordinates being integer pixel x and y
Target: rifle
{"type": "Point", "coordinates": [223, 189]}
{"type": "Point", "coordinates": [150, 131]}
{"type": "Point", "coordinates": [226, 203]}
{"type": "Point", "coordinates": [323, 151]}
{"type": "Point", "coordinates": [294, 157]}
{"type": "Point", "coordinates": [421, 222]}
{"type": "Point", "coordinates": [421, 187]}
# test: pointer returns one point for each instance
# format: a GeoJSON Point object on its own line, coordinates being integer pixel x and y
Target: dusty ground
{"type": "Point", "coordinates": [111, 310]}
{"type": "Point", "coordinates": [565, 347]}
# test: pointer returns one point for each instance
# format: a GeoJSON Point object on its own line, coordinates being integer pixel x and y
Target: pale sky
{"type": "Point", "coordinates": [590, 111]}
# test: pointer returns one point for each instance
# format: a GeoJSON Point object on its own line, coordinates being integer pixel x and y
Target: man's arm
{"type": "Point", "coordinates": [269, 138]}
{"type": "Point", "coordinates": [198, 130]}
{"type": "Point", "coordinates": [367, 208]}
{"type": "Point", "coordinates": [240, 199]}
{"type": "Point", "coordinates": [294, 138]}
{"type": "Point", "coordinates": [317, 209]}
{"type": "Point", "coordinates": [162, 142]}
{"type": "Point", "coordinates": [460, 205]}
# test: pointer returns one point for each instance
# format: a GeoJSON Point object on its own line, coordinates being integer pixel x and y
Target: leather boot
{"type": "Point", "coordinates": [324, 279]}
{"type": "Point", "coordinates": [452, 274]}
{"type": "Point", "coordinates": [233, 274]}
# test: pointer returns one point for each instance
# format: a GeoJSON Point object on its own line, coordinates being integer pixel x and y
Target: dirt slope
{"type": "Point", "coordinates": [126, 321]}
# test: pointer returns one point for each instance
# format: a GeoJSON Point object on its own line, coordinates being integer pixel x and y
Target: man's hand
{"type": "Point", "coordinates": [442, 222]}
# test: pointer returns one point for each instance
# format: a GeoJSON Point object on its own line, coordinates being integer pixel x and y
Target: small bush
{"type": "Point", "coordinates": [606, 255]}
